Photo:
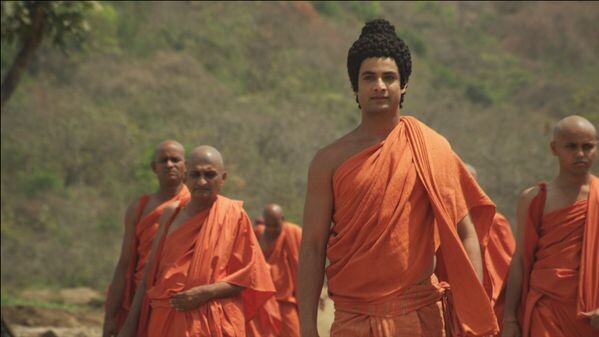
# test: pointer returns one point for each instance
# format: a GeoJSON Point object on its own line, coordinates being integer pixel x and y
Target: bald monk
{"type": "Point", "coordinates": [141, 224]}
{"type": "Point", "coordinates": [497, 256]}
{"type": "Point", "coordinates": [206, 275]}
{"type": "Point", "coordinates": [280, 241]}
{"type": "Point", "coordinates": [396, 193]}
{"type": "Point", "coordinates": [553, 285]}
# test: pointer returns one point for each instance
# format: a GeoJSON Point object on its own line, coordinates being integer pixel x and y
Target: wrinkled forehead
{"type": "Point", "coordinates": [203, 165]}
{"type": "Point", "coordinates": [170, 150]}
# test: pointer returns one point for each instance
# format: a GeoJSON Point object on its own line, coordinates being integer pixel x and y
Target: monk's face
{"type": "Point", "coordinates": [379, 87]}
{"type": "Point", "coordinates": [273, 221]}
{"type": "Point", "coordinates": [169, 164]}
{"type": "Point", "coordinates": [575, 149]}
{"type": "Point", "coordinates": [205, 180]}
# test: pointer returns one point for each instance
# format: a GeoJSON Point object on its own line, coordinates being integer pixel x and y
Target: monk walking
{"type": "Point", "coordinates": [280, 241]}
{"type": "Point", "coordinates": [141, 224]}
{"type": "Point", "coordinates": [553, 285]}
{"type": "Point", "coordinates": [206, 275]}
{"type": "Point", "coordinates": [396, 194]}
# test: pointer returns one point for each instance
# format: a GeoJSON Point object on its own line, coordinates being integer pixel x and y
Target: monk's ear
{"type": "Point", "coordinates": [225, 175]}
{"type": "Point", "coordinates": [553, 146]}
{"type": "Point", "coordinates": [403, 90]}
{"type": "Point", "coordinates": [153, 166]}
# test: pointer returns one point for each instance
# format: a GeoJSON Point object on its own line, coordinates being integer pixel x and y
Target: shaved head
{"type": "Point", "coordinates": [168, 144]}
{"type": "Point", "coordinates": [273, 210]}
{"type": "Point", "coordinates": [573, 125]}
{"type": "Point", "coordinates": [206, 154]}
{"type": "Point", "coordinates": [472, 170]}
{"type": "Point", "coordinates": [273, 219]}
{"type": "Point", "coordinates": [205, 174]}
{"type": "Point", "coordinates": [575, 145]}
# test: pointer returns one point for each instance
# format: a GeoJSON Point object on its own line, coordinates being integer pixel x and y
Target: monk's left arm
{"type": "Point", "coordinates": [193, 298]}
{"type": "Point", "coordinates": [467, 234]}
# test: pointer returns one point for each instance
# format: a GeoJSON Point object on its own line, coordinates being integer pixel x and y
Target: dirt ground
{"type": "Point", "coordinates": [85, 319]}
{"type": "Point", "coordinates": [31, 321]}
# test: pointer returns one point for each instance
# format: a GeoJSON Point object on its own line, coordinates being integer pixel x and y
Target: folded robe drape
{"type": "Point", "coordinates": [215, 245]}
{"type": "Point", "coordinates": [560, 259]}
{"type": "Point", "coordinates": [395, 204]}
{"type": "Point", "coordinates": [145, 230]}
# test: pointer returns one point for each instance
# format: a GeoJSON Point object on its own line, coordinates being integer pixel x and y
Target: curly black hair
{"type": "Point", "coordinates": [378, 39]}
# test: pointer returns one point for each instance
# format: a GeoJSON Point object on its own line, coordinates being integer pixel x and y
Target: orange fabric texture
{"type": "Point", "coordinates": [497, 257]}
{"type": "Point", "coordinates": [560, 265]}
{"type": "Point", "coordinates": [215, 245]}
{"type": "Point", "coordinates": [426, 321]}
{"type": "Point", "coordinates": [283, 257]}
{"type": "Point", "coordinates": [145, 230]}
{"type": "Point", "coordinates": [395, 204]}
{"type": "Point", "coordinates": [267, 322]}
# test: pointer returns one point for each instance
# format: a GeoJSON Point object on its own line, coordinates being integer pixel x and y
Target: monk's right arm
{"type": "Point", "coordinates": [318, 210]}
{"type": "Point", "coordinates": [115, 296]}
{"type": "Point", "coordinates": [514, 281]}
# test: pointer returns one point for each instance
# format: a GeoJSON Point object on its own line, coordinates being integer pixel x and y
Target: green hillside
{"type": "Point", "coordinates": [266, 83]}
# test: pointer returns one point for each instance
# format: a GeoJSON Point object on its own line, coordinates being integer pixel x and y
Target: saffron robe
{"type": "Point", "coordinates": [395, 204]}
{"type": "Point", "coordinates": [215, 245]}
{"type": "Point", "coordinates": [283, 256]}
{"type": "Point", "coordinates": [561, 267]}
{"type": "Point", "coordinates": [145, 230]}
{"type": "Point", "coordinates": [497, 257]}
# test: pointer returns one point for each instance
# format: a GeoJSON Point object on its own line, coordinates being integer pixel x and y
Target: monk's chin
{"type": "Point", "coordinates": [204, 199]}
{"type": "Point", "coordinates": [379, 111]}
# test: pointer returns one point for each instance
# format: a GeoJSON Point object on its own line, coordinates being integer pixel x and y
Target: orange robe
{"type": "Point", "coordinates": [497, 256]}
{"type": "Point", "coordinates": [283, 257]}
{"type": "Point", "coordinates": [561, 267]}
{"type": "Point", "coordinates": [145, 229]}
{"type": "Point", "coordinates": [215, 245]}
{"type": "Point", "coordinates": [395, 204]}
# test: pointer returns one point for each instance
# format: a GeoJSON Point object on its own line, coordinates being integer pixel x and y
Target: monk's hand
{"type": "Point", "coordinates": [192, 298]}
{"type": "Point", "coordinates": [593, 317]}
{"type": "Point", "coordinates": [511, 328]}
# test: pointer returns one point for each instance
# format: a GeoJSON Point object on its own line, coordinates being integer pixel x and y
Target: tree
{"type": "Point", "coordinates": [28, 22]}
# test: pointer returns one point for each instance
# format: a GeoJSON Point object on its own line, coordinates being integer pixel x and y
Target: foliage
{"type": "Point", "coordinates": [28, 23]}
{"type": "Point", "coordinates": [64, 20]}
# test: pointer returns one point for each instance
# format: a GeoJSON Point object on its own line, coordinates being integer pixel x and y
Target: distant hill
{"type": "Point", "coordinates": [267, 84]}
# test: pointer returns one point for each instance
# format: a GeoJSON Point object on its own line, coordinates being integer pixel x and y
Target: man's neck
{"type": "Point", "coordinates": [567, 180]}
{"type": "Point", "coordinates": [379, 125]}
{"type": "Point", "coordinates": [269, 236]}
{"type": "Point", "coordinates": [166, 192]}
{"type": "Point", "coordinates": [196, 206]}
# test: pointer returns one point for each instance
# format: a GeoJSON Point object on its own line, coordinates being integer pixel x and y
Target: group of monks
{"type": "Point", "coordinates": [191, 263]}
{"type": "Point", "coordinates": [414, 246]}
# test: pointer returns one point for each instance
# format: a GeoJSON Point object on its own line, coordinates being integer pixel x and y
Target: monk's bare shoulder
{"type": "Point", "coordinates": [330, 157]}
{"type": "Point", "coordinates": [131, 213]}
{"type": "Point", "coordinates": [168, 211]}
{"type": "Point", "coordinates": [526, 198]}
{"type": "Point", "coordinates": [528, 194]}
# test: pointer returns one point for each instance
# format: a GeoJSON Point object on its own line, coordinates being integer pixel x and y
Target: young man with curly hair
{"type": "Point", "coordinates": [396, 194]}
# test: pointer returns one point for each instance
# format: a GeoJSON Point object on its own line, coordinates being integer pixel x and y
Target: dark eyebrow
{"type": "Point", "coordinates": [367, 72]}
